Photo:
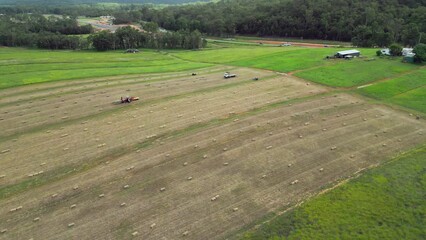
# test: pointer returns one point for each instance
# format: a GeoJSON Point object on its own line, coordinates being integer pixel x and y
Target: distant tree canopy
{"type": "Point", "coordinates": [35, 30]}
{"type": "Point", "coordinates": [128, 37]}
{"type": "Point", "coordinates": [73, 2]}
{"type": "Point", "coordinates": [365, 23]}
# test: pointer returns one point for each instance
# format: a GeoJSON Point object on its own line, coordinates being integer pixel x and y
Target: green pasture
{"type": "Point", "coordinates": [230, 53]}
{"type": "Point", "coordinates": [408, 90]}
{"type": "Point", "coordinates": [24, 66]}
{"type": "Point", "coordinates": [289, 60]}
{"type": "Point", "coordinates": [348, 73]}
{"type": "Point", "coordinates": [387, 202]}
{"type": "Point", "coordinates": [282, 59]}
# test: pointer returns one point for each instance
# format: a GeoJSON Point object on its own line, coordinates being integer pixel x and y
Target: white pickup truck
{"type": "Point", "coordinates": [229, 75]}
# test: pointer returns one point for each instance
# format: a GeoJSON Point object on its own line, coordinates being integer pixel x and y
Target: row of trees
{"type": "Point", "coordinates": [365, 23]}
{"type": "Point", "coordinates": [33, 30]}
{"type": "Point", "coordinates": [128, 37]}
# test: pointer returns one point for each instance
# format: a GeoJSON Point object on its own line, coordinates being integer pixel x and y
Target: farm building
{"type": "Point", "coordinates": [348, 54]}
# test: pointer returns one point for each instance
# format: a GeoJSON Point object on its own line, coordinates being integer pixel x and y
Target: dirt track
{"type": "Point", "coordinates": [243, 140]}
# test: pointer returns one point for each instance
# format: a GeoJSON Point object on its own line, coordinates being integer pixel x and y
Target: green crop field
{"type": "Point", "coordinates": [356, 72]}
{"type": "Point", "coordinates": [282, 59]}
{"type": "Point", "coordinates": [23, 66]}
{"type": "Point", "coordinates": [290, 60]}
{"type": "Point", "coordinates": [385, 203]}
{"type": "Point", "coordinates": [231, 53]}
{"type": "Point", "coordinates": [408, 90]}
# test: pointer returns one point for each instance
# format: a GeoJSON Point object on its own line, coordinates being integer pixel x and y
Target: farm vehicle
{"type": "Point", "coordinates": [229, 75]}
{"type": "Point", "coordinates": [126, 100]}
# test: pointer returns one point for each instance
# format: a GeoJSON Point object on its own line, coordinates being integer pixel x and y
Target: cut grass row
{"type": "Point", "coordinates": [61, 173]}
{"type": "Point", "coordinates": [385, 203]}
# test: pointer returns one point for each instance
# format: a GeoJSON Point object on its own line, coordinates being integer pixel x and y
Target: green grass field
{"type": "Point", "coordinates": [289, 61]}
{"type": "Point", "coordinates": [387, 202]}
{"type": "Point", "coordinates": [23, 66]}
{"type": "Point", "coordinates": [356, 72]}
{"type": "Point", "coordinates": [408, 90]}
{"type": "Point", "coordinates": [283, 59]}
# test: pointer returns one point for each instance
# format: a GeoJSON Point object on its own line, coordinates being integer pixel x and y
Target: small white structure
{"type": "Point", "coordinates": [407, 51]}
{"type": "Point", "coordinates": [385, 51]}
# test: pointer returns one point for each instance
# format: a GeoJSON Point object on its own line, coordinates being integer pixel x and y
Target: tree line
{"type": "Point", "coordinates": [365, 23]}
{"type": "Point", "coordinates": [35, 30]}
{"type": "Point", "coordinates": [129, 38]}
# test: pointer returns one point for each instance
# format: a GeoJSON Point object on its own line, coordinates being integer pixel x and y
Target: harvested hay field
{"type": "Point", "coordinates": [199, 157]}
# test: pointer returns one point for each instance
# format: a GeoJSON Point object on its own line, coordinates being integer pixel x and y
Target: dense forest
{"type": "Point", "coordinates": [72, 2]}
{"type": "Point", "coordinates": [35, 30]}
{"type": "Point", "coordinates": [366, 23]}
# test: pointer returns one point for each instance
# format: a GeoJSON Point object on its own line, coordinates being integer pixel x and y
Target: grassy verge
{"type": "Point", "coordinates": [384, 203]}
{"type": "Point", "coordinates": [408, 90]}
